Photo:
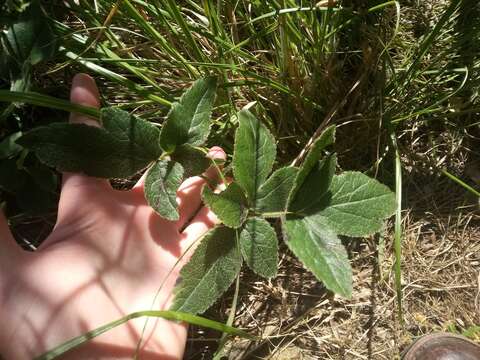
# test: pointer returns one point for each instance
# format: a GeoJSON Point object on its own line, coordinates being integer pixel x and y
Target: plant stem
{"type": "Point", "coordinates": [398, 230]}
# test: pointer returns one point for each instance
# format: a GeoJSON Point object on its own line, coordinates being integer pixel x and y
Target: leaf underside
{"type": "Point", "coordinates": [124, 146]}
{"type": "Point", "coordinates": [259, 247]}
{"type": "Point", "coordinates": [254, 154]}
{"type": "Point", "coordinates": [319, 249]}
{"type": "Point", "coordinates": [193, 160]}
{"type": "Point", "coordinates": [161, 185]}
{"type": "Point", "coordinates": [229, 205]}
{"type": "Point", "coordinates": [188, 121]}
{"type": "Point", "coordinates": [211, 270]}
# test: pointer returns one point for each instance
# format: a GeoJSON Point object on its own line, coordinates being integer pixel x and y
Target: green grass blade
{"type": "Point", "coordinates": [398, 229]}
{"type": "Point", "coordinates": [117, 78]}
{"type": "Point", "coordinates": [461, 183]}
{"type": "Point", "coordinates": [290, 11]}
{"type": "Point", "coordinates": [135, 14]}
{"type": "Point", "coordinates": [168, 315]}
{"type": "Point", "coordinates": [435, 107]}
{"type": "Point", "coordinates": [354, 18]}
{"type": "Point", "coordinates": [34, 98]}
{"type": "Point", "coordinates": [102, 51]}
{"type": "Point", "coordinates": [427, 44]}
{"type": "Point", "coordinates": [174, 8]}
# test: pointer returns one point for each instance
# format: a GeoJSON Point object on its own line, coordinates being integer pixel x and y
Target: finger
{"type": "Point", "coordinates": [199, 226]}
{"type": "Point", "coordinates": [139, 184]}
{"type": "Point", "coordinates": [215, 153]}
{"type": "Point", "coordinates": [189, 194]}
{"type": "Point", "coordinates": [84, 92]}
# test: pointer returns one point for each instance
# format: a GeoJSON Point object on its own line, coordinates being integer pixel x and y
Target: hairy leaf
{"type": "Point", "coordinates": [229, 205]}
{"type": "Point", "coordinates": [137, 135]}
{"type": "Point", "coordinates": [313, 157]}
{"type": "Point", "coordinates": [313, 194]}
{"type": "Point", "coordinates": [188, 121]}
{"type": "Point", "coordinates": [193, 160]}
{"type": "Point", "coordinates": [273, 194]}
{"type": "Point", "coordinates": [161, 185]}
{"type": "Point", "coordinates": [259, 247]}
{"type": "Point", "coordinates": [357, 204]}
{"type": "Point", "coordinates": [254, 154]}
{"type": "Point", "coordinates": [319, 249]}
{"type": "Point", "coordinates": [124, 146]}
{"type": "Point", "coordinates": [212, 268]}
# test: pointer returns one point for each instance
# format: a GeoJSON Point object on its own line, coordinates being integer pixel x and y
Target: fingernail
{"type": "Point", "coordinates": [217, 153]}
{"type": "Point", "coordinates": [84, 91]}
{"type": "Point", "coordinates": [83, 80]}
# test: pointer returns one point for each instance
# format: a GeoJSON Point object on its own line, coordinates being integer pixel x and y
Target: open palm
{"type": "Point", "coordinates": [106, 257]}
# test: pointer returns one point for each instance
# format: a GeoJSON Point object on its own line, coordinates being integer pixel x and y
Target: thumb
{"type": "Point", "coordinates": [84, 92]}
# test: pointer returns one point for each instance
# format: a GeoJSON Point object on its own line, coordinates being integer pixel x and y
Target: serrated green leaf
{"type": "Point", "coordinates": [30, 39]}
{"type": "Point", "coordinates": [139, 136]}
{"type": "Point", "coordinates": [125, 145]}
{"type": "Point", "coordinates": [313, 194]}
{"type": "Point", "coordinates": [229, 205]}
{"type": "Point", "coordinates": [254, 154]}
{"type": "Point", "coordinates": [161, 185]}
{"type": "Point", "coordinates": [188, 121]}
{"type": "Point", "coordinates": [319, 249]}
{"type": "Point", "coordinates": [8, 146]}
{"type": "Point", "coordinates": [357, 204]}
{"type": "Point", "coordinates": [313, 157]}
{"type": "Point", "coordinates": [193, 160]}
{"type": "Point", "coordinates": [259, 247]}
{"type": "Point", "coordinates": [273, 194]}
{"type": "Point", "coordinates": [212, 268]}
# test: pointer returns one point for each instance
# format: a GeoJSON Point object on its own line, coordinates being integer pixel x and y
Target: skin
{"type": "Point", "coordinates": [106, 257]}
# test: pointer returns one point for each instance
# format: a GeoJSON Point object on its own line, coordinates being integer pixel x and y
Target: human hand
{"type": "Point", "coordinates": [106, 257]}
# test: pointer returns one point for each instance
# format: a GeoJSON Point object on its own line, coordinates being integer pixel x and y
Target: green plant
{"type": "Point", "coordinates": [313, 204]}
{"type": "Point", "coordinates": [26, 40]}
